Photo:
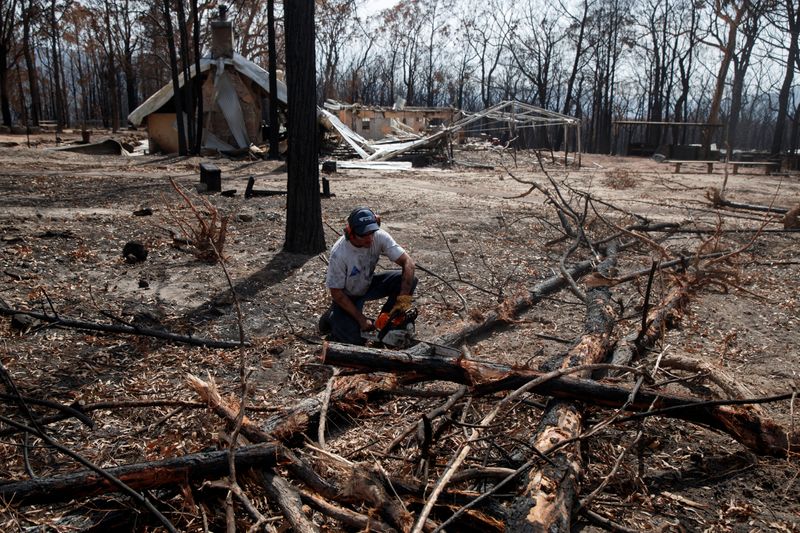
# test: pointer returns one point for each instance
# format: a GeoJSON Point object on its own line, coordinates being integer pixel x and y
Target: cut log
{"type": "Point", "coordinates": [141, 476]}
{"type": "Point", "coordinates": [762, 436]}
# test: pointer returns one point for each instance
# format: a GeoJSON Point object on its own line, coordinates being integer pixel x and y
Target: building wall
{"type": "Point", "coordinates": [375, 123]}
{"type": "Point", "coordinates": [162, 132]}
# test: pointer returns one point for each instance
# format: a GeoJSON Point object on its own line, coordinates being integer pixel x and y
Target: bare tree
{"type": "Point", "coordinates": [792, 27]}
{"type": "Point", "coordinates": [8, 10]}
{"type": "Point", "coordinates": [725, 19]}
{"type": "Point", "coordinates": [30, 12]}
{"type": "Point", "coordinates": [488, 32]}
{"type": "Point", "coordinates": [536, 46]}
{"type": "Point", "coordinates": [741, 62]}
{"type": "Point", "coordinates": [174, 68]}
{"type": "Point", "coordinates": [335, 28]}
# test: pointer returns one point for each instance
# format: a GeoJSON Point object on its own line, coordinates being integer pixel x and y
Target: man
{"type": "Point", "coordinates": [352, 281]}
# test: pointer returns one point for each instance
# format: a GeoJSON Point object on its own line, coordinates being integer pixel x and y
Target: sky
{"type": "Point", "coordinates": [373, 6]}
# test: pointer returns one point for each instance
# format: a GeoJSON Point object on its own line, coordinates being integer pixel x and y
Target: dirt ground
{"type": "Point", "coordinates": [65, 218]}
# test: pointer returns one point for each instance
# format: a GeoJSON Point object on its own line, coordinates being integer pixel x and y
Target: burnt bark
{"type": "Point", "coordinates": [304, 232]}
{"type": "Point", "coordinates": [551, 490]}
{"type": "Point", "coordinates": [763, 436]}
{"type": "Point", "coordinates": [149, 475]}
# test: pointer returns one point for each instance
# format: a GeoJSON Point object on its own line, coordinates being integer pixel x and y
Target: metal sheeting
{"type": "Point", "coordinates": [228, 101]}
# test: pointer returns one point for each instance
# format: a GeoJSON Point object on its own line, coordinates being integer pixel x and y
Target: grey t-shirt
{"type": "Point", "coordinates": [351, 268]}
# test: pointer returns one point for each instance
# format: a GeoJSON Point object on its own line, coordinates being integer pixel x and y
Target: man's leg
{"type": "Point", "coordinates": [343, 327]}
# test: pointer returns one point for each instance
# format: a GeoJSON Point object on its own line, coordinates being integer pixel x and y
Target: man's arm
{"type": "Point", "coordinates": [407, 281]}
{"type": "Point", "coordinates": [344, 301]}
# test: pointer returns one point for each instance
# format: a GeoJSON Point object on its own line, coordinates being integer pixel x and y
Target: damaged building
{"type": "Point", "coordinates": [235, 98]}
{"type": "Point", "coordinates": [375, 122]}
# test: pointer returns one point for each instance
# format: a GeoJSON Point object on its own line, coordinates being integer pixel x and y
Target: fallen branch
{"type": "Point", "coordinates": [344, 515]}
{"type": "Point", "coordinates": [350, 392]}
{"type": "Point", "coordinates": [62, 322]}
{"type": "Point", "coordinates": [508, 311]}
{"type": "Point", "coordinates": [717, 199]}
{"type": "Point", "coordinates": [67, 411]}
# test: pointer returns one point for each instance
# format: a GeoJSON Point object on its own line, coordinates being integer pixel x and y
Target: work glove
{"type": "Point", "coordinates": [402, 304]}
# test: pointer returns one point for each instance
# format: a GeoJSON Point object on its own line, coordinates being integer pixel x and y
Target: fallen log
{"type": "Point", "coordinates": [551, 490]}
{"type": "Point", "coordinates": [760, 435]}
{"type": "Point", "coordinates": [718, 199]}
{"type": "Point", "coordinates": [62, 322]}
{"type": "Point", "coordinates": [149, 475]}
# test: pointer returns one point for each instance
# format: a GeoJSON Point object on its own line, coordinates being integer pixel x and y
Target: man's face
{"type": "Point", "coordinates": [362, 241]}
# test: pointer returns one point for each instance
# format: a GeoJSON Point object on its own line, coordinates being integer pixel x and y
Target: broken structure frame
{"type": "Point", "coordinates": [515, 115]}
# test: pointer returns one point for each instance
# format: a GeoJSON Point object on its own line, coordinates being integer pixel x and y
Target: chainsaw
{"type": "Point", "coordinates": [396, 330]}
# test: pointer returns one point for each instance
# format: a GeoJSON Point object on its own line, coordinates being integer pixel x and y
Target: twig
{"type": "Point", "coordinates": [437, 276]}
{"type": "Point", "coordinates": [451, 401]}
{"type": "Point", "coordinates": [646, 305]}
{"type": "Point", "coordinates": [323, 412]}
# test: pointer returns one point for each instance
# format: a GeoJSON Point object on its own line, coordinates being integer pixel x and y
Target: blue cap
{"type": "Point", "coordinates": [363, 221]}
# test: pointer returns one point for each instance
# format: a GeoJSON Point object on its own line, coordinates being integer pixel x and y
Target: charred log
{"type": "Point", "coordinates": [760, 435]}
{"type": "Point", "coordinates": [150, 475]}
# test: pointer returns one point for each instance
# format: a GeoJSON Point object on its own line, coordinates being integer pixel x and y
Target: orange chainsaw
{"type": "Point", "coordinates": [395, 329]}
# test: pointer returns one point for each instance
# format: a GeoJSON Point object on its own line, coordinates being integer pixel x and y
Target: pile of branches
{"type": "Point", "coordinates": [466, 464]}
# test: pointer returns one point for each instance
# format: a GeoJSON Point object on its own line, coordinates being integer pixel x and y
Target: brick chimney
{"type": "Point", "coordinates": [221, 35]}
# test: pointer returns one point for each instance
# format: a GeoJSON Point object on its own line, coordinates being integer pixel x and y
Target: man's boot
{"type": "Point", "coordinates": [325, 327]}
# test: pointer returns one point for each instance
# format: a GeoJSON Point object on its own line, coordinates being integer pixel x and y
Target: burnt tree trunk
{"type": "Point", "coordinates": [304, 234]}
{"type": "Point", "coordinates": [150, 475]}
